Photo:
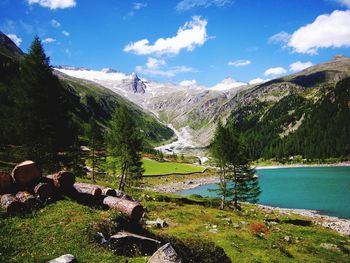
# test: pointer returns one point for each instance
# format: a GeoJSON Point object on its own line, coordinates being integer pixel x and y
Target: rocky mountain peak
{"type": "Point", "coordinates": [137, 84]}
{"type": "Point", "coordinates": [339, 57]}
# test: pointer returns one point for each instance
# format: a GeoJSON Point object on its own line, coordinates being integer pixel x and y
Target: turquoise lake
{"type": "Point", "coordinates": [325, 189]}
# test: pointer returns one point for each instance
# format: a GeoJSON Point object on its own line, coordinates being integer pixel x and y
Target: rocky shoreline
{"type": "Point", "coordinates": [302, 166]}
{"type": "Point", "coordinates": [340, 225]}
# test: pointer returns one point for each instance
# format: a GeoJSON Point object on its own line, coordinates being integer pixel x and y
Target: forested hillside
{"type": "Point", "coordinates": [310, 116]}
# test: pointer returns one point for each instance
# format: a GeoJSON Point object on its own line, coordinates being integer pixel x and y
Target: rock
{"type": "Point", "coordinates": [236, 225]}
{"type": "Point", "coordinates": [214, 231]}
{"type": "Point", "coordinates": [228, 220]}
{"type": "Point", "coordinates": [159, 223]}
{"type": "Point", "coordinates": [289, 239]}
{"type": "Point", "coordinates": [330, 246]}
{"type": "Point", "coordinates": [68, 258]}
{"type": "Point", "coordinates": [165, 254]}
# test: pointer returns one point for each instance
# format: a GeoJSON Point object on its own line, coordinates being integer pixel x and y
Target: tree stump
{"type": "Point", "coordinates": [11, 204]}
{"type": "Point", "coordinates": [25, 173]}
{"type": "Point", "coordinates": [6, 182]}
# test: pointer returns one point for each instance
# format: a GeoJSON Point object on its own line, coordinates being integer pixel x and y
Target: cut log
{"type": "Point", "coordinates": [132, 209]}
{"type": "Point", "coordinates": [43, 191]}
{"type": "Point", "coordinates": [63, 180]}
{"type": "Point", "coordinates": [25, 173]}
{"type": "Point", "coordinates": [29, 201]}
{"type": "Point", "coordinates": [165, 254]}
{"type": "Point", "coordinates": [6, 182]}
{"type": "Point", "coordinates": [88, 189]}
{"type": "Point", "coordinates": [11, 204]}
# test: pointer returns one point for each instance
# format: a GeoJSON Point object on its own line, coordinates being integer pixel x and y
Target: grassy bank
{"type": "Point", "coordinates": [62, 227]}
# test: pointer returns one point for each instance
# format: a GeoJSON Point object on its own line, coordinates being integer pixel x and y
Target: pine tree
{"type": "Point", "coordinates": [237, 180]}
{"type": "Point", "coordinates": [45, 125]}
{"type": "Point", "coordinates": [94, 135]}
{"type": "Point", "coordinates": [124, 143]}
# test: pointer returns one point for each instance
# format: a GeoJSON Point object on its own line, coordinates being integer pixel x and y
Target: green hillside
{"type": "Point", "coordinates": [306, 114]}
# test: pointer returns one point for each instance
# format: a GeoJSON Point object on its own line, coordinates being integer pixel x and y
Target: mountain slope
{"type": "Point", "coordinates": [304, 114]}
{"type": "Point", "coordinates": [90, 99]}
{"type": "Point", "coordinates": [86, 99]}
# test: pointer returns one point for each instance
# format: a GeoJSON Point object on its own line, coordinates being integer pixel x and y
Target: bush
{"type": "Point", "coordinates": [259, 229]}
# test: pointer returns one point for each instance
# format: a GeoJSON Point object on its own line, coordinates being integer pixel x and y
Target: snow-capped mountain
{"type": "Point", "coordinates": [228, 84]}
{"type": "Point", "coordinates": [187, 105]}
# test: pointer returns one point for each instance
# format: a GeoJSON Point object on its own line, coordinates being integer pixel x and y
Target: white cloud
{"type": "Point", "coordinates": [65, 33]}
{"type": "Point", "coordinates": [17, 40]}
{"type": "Point", "coordinates": [257, 81]}
{"type": "Point", "coordinates": [281, 37]}
{"type": "Point", "coordinates": [49, 40]}
{"type": "Point", "coordinates": [185, 5]}
{"type": "Point", "coordinates": [189, 36]}
{"type": "Point", "coordinates": [154, 63]}
{"type": "Point", "coordinates": [55, 23]}
{"type": "Point", "coordinates": [299, 66]}
{"type": "Point", "coordinates": [275, 71]}
{"type": "Point", "coordinates": [344, 3]}
{"type": "Point", "coordinates": [138, 6]}
{"type": "Point", "coordinates": [53, 4]}
{"type": "Point", "coordinates": [239, 63]}
{"type": "Point", "coordinates": [188, 83]}
{"type": "Point", "coordinates": [329, 30]}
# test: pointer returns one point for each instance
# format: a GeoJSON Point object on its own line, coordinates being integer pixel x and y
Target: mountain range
{"type": "Point", "coordinates": [195, 109]}
{"type": "Point", "coordinates": [276, 117]}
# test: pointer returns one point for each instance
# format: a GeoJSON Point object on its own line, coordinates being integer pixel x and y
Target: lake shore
{"type": "Point", "coordinates": [279, 166]}
{"type": "Point", "coordinates": [340, 225]}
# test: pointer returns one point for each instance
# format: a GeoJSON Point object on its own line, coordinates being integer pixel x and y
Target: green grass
{"type": "Point", "coordinates": [63, 227]}
{"type": "Point", "coordinates": [59, 228]}
{"type": "Point", "coordinates": [240, 244]}
{"type": "Point", "coordinates": [153, 167]}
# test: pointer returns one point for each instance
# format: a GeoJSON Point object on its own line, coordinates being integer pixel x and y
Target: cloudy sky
{"type": "Point", "coordinates": [184, 41]}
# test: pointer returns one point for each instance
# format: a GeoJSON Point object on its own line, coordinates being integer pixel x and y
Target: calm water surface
{"type": "Point", "coordinates": [325, 189]}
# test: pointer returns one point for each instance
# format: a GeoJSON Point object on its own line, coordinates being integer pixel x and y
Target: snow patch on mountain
{"type": "Point", "coordinates": [227, 84]}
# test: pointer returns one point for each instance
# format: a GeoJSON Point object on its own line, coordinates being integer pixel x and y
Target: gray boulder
{"type": "Point", "coordinates": [165, 254]}
{"type": "Point", "coordinates": [68, 258]}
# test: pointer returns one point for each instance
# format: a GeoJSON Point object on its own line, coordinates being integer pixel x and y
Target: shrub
{"type": "Point", "coordinates": [259, 229]}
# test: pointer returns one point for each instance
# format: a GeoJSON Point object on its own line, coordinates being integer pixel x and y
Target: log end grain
{"type": "Point", "coordinates": [25, 172]}
{"type": "Point", "coordinates": [6, 182]}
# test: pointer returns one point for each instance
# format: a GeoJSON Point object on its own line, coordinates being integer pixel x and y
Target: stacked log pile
{"type": "Point", "coordinates": [26, 189]}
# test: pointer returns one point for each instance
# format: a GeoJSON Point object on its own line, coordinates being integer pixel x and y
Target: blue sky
{"type": "Point", "coordinates": [201, 40]}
